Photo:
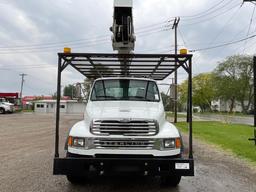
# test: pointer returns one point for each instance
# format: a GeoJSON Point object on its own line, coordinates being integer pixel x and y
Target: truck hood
{"type": "Point", "coordinates": [7, 104]}
{"type": "Point", "coordinates": [124, 109]}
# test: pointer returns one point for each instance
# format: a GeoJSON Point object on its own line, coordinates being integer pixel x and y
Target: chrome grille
{"type": "Point", "coordinates": [124, 127]}
{"type": "Point", "coordinates": [123, 144]}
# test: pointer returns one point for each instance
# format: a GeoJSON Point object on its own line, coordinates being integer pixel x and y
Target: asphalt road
{"type": "Point", "coordinates": [26, 151]}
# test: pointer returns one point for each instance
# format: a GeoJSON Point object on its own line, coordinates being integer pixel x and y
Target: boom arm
{"type": "Point", "coordinates": [123, 37]}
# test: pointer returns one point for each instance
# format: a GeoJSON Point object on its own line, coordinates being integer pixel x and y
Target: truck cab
{"type": "Point", "coordinates": [124, 118]}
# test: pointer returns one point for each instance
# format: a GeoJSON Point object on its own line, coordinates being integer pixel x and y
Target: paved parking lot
{"type": "Point", "coordinates": [26, 151]}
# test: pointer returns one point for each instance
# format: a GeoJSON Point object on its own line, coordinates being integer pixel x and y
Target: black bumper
{"type": "Point", "coordinates": [123, 166]}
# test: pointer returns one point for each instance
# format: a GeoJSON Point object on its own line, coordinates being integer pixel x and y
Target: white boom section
{"type": "Point", "coordinates": [123, 37]}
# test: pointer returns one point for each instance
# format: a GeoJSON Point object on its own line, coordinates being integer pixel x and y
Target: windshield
{"type": "Point", "coordinates": [125, 89]}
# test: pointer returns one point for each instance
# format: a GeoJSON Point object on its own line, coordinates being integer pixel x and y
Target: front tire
{"type": "Point", "coordinates": [171, 180]}
{"type": "Point", "coordinates": [2, 111]}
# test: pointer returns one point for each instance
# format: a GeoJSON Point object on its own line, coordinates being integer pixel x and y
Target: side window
{"type": "Point", "coordinates": [98, 90]}
{"type": "Point", "coordinates": [62, 106]}
{"type": "Point", "coordinates": [152, 93]}
{"type": "Point", "coordinates": [39, 105]}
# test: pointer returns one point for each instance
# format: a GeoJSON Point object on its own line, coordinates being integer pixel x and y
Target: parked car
{"type": "Point", "coordinates": [6, 107]}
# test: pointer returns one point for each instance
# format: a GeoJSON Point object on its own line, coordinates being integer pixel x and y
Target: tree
{"type": "Point", "coordinates": [166, 102]}
{"type": "Point", "coordinates": [69, 90]}
{"type": "Point", "coordinates": [202, 91]}
{"type": "Point", "coordinates": [233, 81]}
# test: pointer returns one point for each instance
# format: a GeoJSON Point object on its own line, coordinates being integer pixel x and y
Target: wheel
{"type": "Point", "coordinates": [171, 180]}
{"type": "Point", "coordinates": [2, 111]}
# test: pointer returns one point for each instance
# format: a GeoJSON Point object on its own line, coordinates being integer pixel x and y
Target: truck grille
{"type": "Point", "coordinates": [123, 144]}
{"type": "Point", "coordinates": [124, 127]}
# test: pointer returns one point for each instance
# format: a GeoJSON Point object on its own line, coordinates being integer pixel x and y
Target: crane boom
{"type": "Point", "coordinates": [123, 38]}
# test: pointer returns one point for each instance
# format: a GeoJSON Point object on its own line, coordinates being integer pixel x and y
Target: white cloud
{"type": "Point", "coordinates": [29, 22]}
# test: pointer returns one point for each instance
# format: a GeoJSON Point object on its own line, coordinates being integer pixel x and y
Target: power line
{"type": "Point", "coordinates": [214, 6]}
{"type": "Point", "coordinates": [182, 36]}
{"type": "Point", "coordinates": [53, 48]}
{"type": "Point", "coordinates": [209, 13]}
{"type": "Point", "coordinates": [93, 39]}
{"type": "Point", "coordinates": [249, 28]}
{"type": "Point", "coordinates": [223, 45]}
{"type": "Point", "coordinates": [50, 49]}
{"type": "Point", "coordinates": [225, 25]}
{"type": "Point", "coordinates": [210, 18]}
{"type": "Point", "coordinates": [85, 41]}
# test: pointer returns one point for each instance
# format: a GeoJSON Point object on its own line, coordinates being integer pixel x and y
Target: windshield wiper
{"type": "Point", "coordinates": [140, 97]}
{"type": "Point", "coordinates": [106, 97]}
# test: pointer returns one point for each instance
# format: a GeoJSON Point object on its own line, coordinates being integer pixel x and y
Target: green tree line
{"type": "Point", "coordinates": [231, 81]}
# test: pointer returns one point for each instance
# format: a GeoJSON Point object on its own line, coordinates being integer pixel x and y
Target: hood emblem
{"type": "Point", "coordinates": [125, 120]}
{"type": "Point", "coordinates": [124, 110]}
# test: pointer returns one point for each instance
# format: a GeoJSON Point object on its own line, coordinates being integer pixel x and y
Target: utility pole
{"type": "Point", "coordinates": [254, 86]}
{"type": "Point", "coordinates": [254, 90]}
{"type": "Point", "coordinates": [21, 87]}
{"type": "Point", "coordinates": [175, 27]}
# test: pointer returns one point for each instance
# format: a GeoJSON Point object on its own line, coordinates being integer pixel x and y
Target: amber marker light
{"type": "Point", "coordinates": [178, 143]}
{"type": "Point", "coordinates": [67, 50]}
{"type": "Point", "coordinates": [69, 141]}
{"type": "Point", "coordinates": [183, 51]}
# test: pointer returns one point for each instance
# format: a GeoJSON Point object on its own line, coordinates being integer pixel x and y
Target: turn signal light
{"type": "Point", "coordinates": [178, 143]}
{"type": "Point", "coordinates": [69, 141]}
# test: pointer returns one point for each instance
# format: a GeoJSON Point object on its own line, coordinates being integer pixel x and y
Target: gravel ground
{"type": "Point", "coordinates": [26, 151]}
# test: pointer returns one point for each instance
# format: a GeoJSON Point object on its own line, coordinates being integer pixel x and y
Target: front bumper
{"type": "Point", "coordinates": [123, 166]}
{"type": "Point", "coordinates": [154, 152]}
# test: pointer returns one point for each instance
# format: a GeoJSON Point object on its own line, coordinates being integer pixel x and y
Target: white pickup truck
{"type": "Point", "coordinates": [6, 107]}
{"type": "Point", "coordinates": [125, 118]}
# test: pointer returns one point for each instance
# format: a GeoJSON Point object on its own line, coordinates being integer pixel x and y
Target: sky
{"type": "Point", "coordinates": [33, 32]}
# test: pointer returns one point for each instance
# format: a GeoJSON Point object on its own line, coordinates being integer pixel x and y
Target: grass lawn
{"type": "Point", "coordinates": [171, 114]}
{"type": "Point", "coordinates": [225, 113]}
{"type": "Point", "coordinates": [230, 137]}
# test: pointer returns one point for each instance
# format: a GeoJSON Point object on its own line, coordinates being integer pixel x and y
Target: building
{"type": "Point", "coordinates": [11, 97]}
{"type": "Point", "coordinates": [29, 99]}
{"type": "Point", "coordinates": [66, 106]}
{"type": "Point", "coordinates": [224, 106]}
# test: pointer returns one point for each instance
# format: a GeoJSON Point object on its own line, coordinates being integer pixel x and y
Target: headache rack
{"type": "Point", "coordinates": [154, 66]}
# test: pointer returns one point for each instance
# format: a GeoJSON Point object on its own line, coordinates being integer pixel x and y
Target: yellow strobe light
{"type": "Point", "coordinates": [67, 50]}
{"type": "Point", "coordinates": [183, 51]}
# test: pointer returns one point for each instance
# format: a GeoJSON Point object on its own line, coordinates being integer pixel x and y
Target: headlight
{"type": "Point", "coordinates": [172, 143]}
{"type": "Point", "coordinates": [76, 142]}
{"type": "Point", "coordinates": [169, 143]}
{"type": "Point", "coordinates": [80, 142]}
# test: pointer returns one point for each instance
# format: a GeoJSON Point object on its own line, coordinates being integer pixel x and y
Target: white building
{"type": "Point", "coordinates": [66, 106]}
{"type": "Point", "coordinates": [221, 105]}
